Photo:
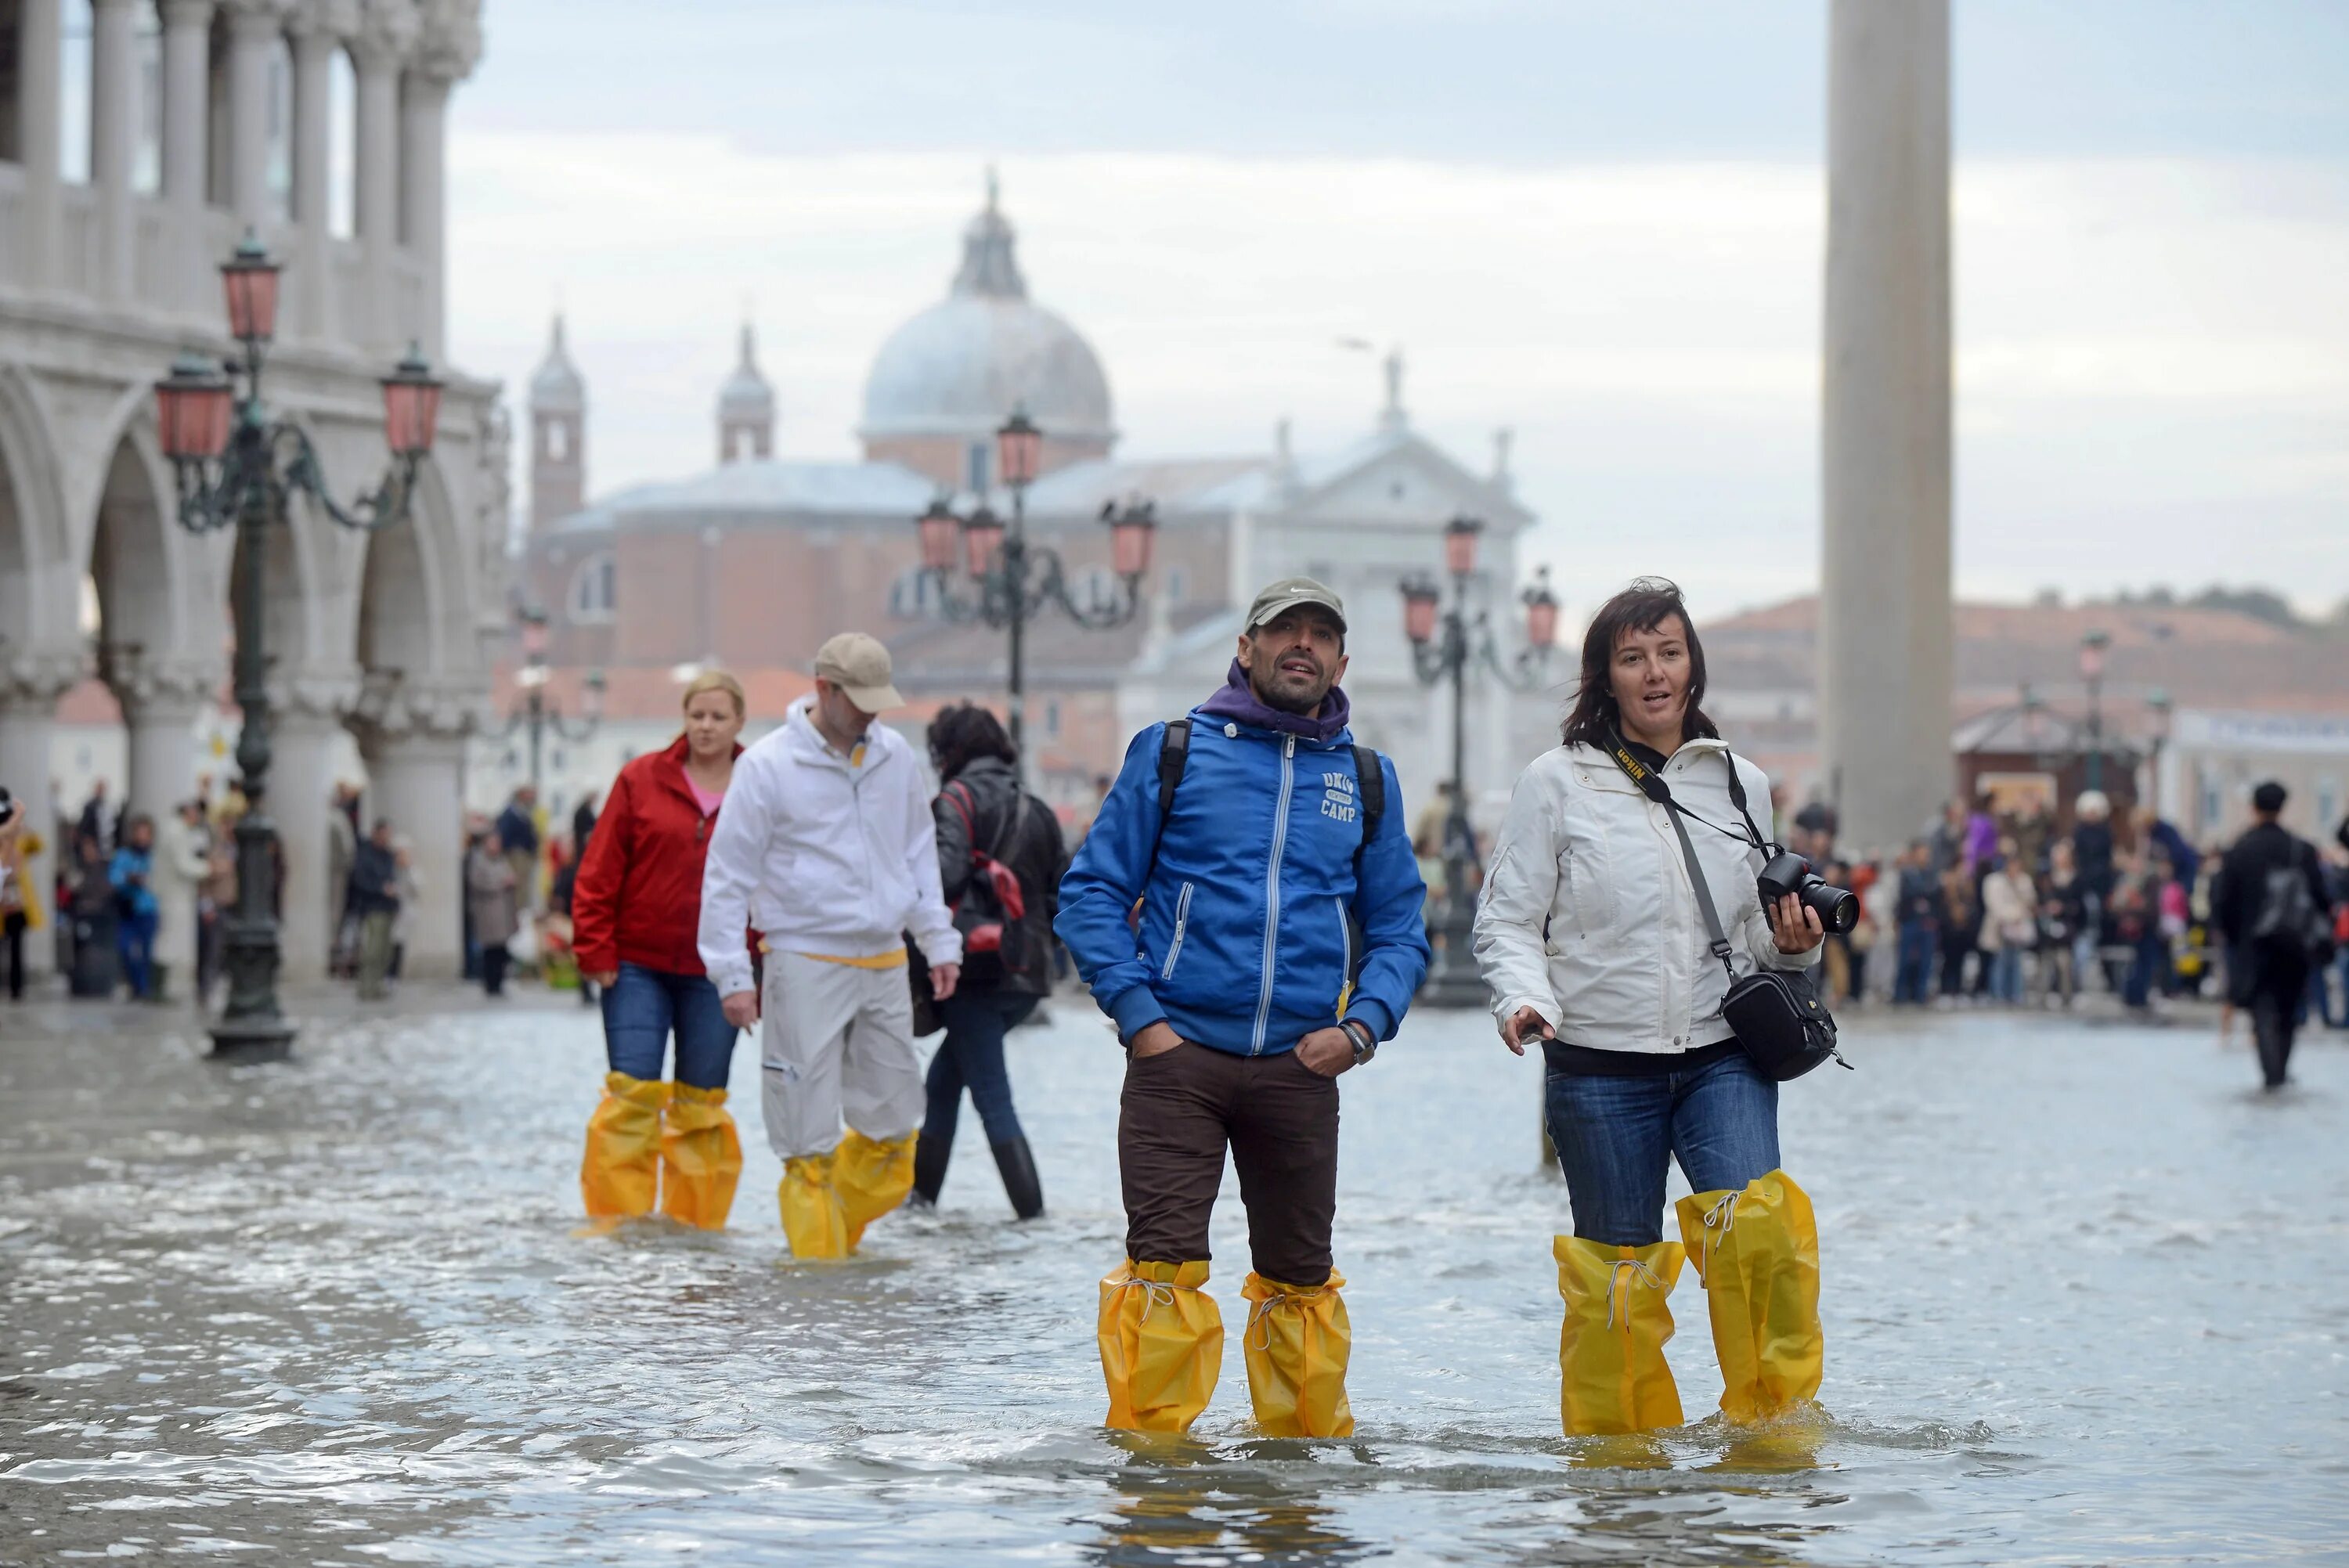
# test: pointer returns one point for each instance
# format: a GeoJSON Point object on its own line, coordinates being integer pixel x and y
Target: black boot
{"type": "Point", "coordinates": [930, 1156]}
{"type": "Point", "coordinates": [1020, 1182]}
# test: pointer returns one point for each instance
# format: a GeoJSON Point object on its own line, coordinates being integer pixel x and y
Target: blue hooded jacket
{"type": "Point", "coordinates": [1245, 943]}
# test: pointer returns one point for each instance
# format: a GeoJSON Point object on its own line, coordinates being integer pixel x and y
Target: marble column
{"type": "Point", "coordinates": [29, 690]}
{"type": "Point", "coordinates": [1884, 617]}
{"type": "Point", "coordinates": [160, 706]}
{"type": "Point", "coordinates": [416, 776]}
{"type": "Point", "coordinates": [113, 138]}
{"type": "Point", "coordinates": [423, 123]}
{"type": "Point", "coordinates": [254, 31]}
{"type": "Point", "coordinates": [376, 69]}
{"type": "Point", "coordinates": [187, 124]}
{"type": "Point", "coordinates": [304, 743]}
{"type": "Point", "coordinates": [40, 138]}
{"type": "Point", "coordinates": [313, 59]}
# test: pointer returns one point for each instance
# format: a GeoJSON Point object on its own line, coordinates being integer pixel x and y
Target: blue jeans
{"type": "Point", "coordinates": [1615, 1137]}
{"type": "Point", "coordinates": [2006, 975]}
{"type": "Point", "coordinates": [1913, 980]}
{"type": "Point", "coordinates": [2148, 959]}
{"type": "Point", "coordinates": [972, 1057]}
{"type": "Point", "coordinates": [134, 943]}
{"type": "Point", "coordinates": [644, 1006]}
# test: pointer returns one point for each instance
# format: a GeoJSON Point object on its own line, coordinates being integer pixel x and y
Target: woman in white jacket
{"type": "Point", "coordinates": [1591, 941]}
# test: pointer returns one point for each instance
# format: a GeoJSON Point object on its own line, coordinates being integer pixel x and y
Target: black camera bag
{"type": "Point", "coordinates": [1776, 1013]}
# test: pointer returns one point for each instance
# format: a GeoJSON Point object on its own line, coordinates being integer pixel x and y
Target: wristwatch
{"type": "Point", "coordinates": [1366, 1044]}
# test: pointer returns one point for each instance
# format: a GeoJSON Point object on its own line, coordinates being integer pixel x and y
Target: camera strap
{"type": "Point", "coordinates": [1652, 785]}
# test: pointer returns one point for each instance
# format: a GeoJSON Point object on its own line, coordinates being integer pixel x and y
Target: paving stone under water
{"type": "Point", "coordinates": [2086, 1299]}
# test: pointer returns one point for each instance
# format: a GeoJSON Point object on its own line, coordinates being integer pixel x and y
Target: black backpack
{"type": "Point", "coordinates": [2290, 919]}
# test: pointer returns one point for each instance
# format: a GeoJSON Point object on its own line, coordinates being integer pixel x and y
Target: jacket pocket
{"type": "Point", "coordinates": [1589, 892]}
{"type": "Point", "coordinates": [1182, 926]}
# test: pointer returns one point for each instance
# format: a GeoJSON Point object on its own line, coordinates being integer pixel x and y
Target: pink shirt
{"type": "Point", "coordinates": [707, 799]}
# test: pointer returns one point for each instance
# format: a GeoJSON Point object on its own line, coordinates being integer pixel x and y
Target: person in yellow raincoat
{"type": "Point", "coordinates": [20, 902]}
{"type": "Point", "coordinates": [1592, 942]}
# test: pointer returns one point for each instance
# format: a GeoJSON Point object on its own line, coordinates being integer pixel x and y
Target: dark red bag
{"type": "Point", "coordinates": [992, 905]}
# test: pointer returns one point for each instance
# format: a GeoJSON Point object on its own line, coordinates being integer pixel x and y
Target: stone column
{"type": "Point", "coordinates": [424, 111]}
{"type": "Point", "coordinates": [376, 62]}
{"type": "Point", "coordinates": [29, 688]}
{"type": "Point", "coordinates": [160, 705]}
{"type": "Point", "coordinates": [1885, 618]}
{"type": "Point", "coordinates": [113, 135]}
{"type": "Point", "coordinates": [313, 59]}
{"type": "Point", "coordinates": [301, 788]}
{"type": "Point", "coordinates": [187, 122]}
{"type": "Point", "coordinates": [40, 143]}
{"type": "Point", "coordinates": [417, 777]}
{"type": "Point", "coordinates": [253, 29]}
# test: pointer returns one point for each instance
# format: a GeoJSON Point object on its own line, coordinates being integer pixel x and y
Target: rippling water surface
{"type": "Point", "coordinates": [2086, 1295]}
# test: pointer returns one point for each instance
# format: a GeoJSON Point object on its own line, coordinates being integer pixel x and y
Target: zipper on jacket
{"type": "Point", "coordinates": [1182, 923]}
{"type": "Point", "coordinates": [1272, 891]}
{"type": "Point", "coordinates": [1345, 958]}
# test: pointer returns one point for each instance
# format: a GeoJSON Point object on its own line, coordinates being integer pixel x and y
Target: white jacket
{"type": "Point", "coordinates": [821, 856]}
{"type": "Point", "coordinates": [1587, 916]}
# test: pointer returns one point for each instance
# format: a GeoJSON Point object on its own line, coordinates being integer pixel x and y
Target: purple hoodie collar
{"type": "Point", "coordinates": [1237, 701]}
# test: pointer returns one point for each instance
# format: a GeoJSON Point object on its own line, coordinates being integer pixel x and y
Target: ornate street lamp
{"type": "Point", "coordinates": [2093, 645]}
{"type": "Point", "coordinates": [235, 464]}
{"type": "Point", "coordinates": [1445, 645]}
{"type": "Point", "coordinates": [1011, 580]}
{"type": "Point", "coordinates": [534, 711]}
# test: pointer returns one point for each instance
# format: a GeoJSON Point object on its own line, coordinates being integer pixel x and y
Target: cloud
{"type": "Point", "coordinates": [2150, 377]}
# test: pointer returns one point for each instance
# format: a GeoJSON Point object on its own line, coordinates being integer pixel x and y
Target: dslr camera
{"type": "Point", "coordinates": [7, 807]}
{"type": "Point", "coordinates": [1788, 872]}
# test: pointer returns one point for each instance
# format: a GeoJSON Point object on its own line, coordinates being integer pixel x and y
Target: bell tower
{"type": "Point", "coordinates": [558, 436]}
{"type": "Point", "coordinates": [746, 410]}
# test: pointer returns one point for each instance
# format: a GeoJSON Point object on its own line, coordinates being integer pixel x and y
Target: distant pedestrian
{"type": "Point", "coordinates": [411, 895]}
{"type": "Point", "coordinates": [20, 901]}
{"type": "Point", "coordinates": [1918, 914]}
{"type": "Point", "coordinates": [493, 905]}
{"type": "Point", "coordinates": [2271, 906]}
{"type": "Point", "coordinates": [131, 875]}
{"type": "Point", "coordinates": [183, 860]}
{"type": "Point", "coordinates": [97, 823]}
{"type": "Point", "coordinates": [2010, 923]}
{"type": "Point", "coordinates": [636, 920]}
{"type": "Point", "coordinates": [988, 827]}
{"type": "Point", "coordinates": [517, 829]}
{"type": "Point", "coordinates": [372, 893]}
{"type": "Point", "coordinates": [2060, 915]}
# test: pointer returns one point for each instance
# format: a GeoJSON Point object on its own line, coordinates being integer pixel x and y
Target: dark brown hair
{"type": "Point", "coordinates": [964, 732]}
{"type": "Point", "coordinates": [1643, 606]}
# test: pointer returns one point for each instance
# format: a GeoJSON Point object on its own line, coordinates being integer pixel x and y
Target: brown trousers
{"type": "Point", "coordinates": [1181, 1109]}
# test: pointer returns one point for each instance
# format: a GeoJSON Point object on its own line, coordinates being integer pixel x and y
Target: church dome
{"type": "Point", "coordinates": [556, 387]}
{"type": "Point", "coordinates": [960, 367]}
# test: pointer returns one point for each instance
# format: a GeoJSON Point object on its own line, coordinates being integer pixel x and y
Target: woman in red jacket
{"type": "Point", "coordinates": [636, 912]}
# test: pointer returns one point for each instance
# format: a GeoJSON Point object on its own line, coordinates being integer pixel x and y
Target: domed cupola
{"type": "Point", "coordinates": [746, 410]}
{"type": "Point", "coordinates": [945, 380]}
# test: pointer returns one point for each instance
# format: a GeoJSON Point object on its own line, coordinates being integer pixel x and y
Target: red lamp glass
{"type": "Point", "coordinates": [1541, 614]}
{"type": "Point", "coordinates": [1419, 601]}
{"type": "Point", "coordinates": [938, 526]}
{"type": "Point", "coordinates": [1132, 529]}
{"type": "Point", "coordinates": [192, 409]}
{"type": "Point", "coordinates": [1019, 450]}
{"type": "Point", "coordinates": [591, 695]}
{"type": "Point", "coordinates": [250, 278]}
{"type": "Point", "coordinates": [1459, 545]}
{"type": "Point", "coordinates": [412, 406]}
{"type": "Point", "coordinates": [534, 635]}
{"type": "Point", "coordinates": [982, 541]}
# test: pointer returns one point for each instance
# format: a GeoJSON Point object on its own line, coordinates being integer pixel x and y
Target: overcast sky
{"type": "Point", "coordinates": [1600, 224]}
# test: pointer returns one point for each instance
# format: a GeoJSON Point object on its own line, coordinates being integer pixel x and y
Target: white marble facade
{"type": "Point", "coordinates": [382, 639]}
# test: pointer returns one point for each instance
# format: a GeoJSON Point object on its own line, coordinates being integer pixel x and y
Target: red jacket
{"type": "Point", "coordinates": [638, 896]}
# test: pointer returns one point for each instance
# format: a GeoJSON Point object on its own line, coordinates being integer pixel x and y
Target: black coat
{"type": "Point", "coordinates": [2236, 899]}
{"type": "Point", "coordinates": [988, 787]}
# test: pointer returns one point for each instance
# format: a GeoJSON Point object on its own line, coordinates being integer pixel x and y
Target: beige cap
{"type": "Point", "coordinates": [859, 665]}
{"type": "Point", "coordinates": [1290, 592]}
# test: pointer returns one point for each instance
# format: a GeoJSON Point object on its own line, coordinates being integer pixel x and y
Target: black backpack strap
{"type": "Point", "coordinates": [1172, 754]}
{"type": "Point", "coordinates": [1370, 776]}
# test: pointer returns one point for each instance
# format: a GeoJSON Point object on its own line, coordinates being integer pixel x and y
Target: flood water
{"type": "Point", "coordinates": [2085, 1301]}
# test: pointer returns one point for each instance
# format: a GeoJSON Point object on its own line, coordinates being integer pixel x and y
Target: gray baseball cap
{"type": "Point", "coordinates": [859, 665]}
{"type": "Point", "coordinates": [1288, 594]}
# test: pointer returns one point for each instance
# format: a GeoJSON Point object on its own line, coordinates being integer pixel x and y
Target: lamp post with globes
{"type": "Point", "coordinates": [2093, 645]}
{"type": "Point", "coordinates": [1012, 579]}
{"type": "Point", "coordinates": [1443, 645]}
{"type": "Point", "coordinates": [236, 464]}
{"type": "Point", "coordinates": [535, 713]}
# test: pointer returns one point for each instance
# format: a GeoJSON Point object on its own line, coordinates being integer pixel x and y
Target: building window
{"type": "Point", "coordinates": [1052, 719]}
{"type": "Point", "coordinates": [916, 595]}
{"type": "Point", "coordinates": [975, 469]}
{"type": "Point", "coordinates": [595, 596]}
{"type": "Point", "coordinates": [1178, 587]}
{"type": "Point", "coordinates": [558, 440]}
{"type": "Point", "coordinates": [1094, 588]}
{"type": "Point", "coordinates": [2328, 801]}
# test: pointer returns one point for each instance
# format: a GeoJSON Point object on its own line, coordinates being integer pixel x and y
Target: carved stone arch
{"type": "Point", "coordinates": [38, 580]}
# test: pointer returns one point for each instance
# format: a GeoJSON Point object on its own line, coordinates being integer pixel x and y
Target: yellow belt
{"type": "Point", "coordinates": [895, 960]}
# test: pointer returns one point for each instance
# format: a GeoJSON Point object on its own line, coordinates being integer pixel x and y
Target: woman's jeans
{"type": "Point", "coordinates": [972, 1057]}
{"type": "Point", "coordinates": [2006, 975]}
{"type": "Point", "coordinates": [1615, 1137]}
{"type": "Point", "coordinates": [644, 1006]}
{"type": "Point", "coordinates": [134, 943]}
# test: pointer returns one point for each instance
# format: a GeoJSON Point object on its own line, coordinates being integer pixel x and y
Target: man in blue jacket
{"type": "Point", "coordinates": [1278, 941]}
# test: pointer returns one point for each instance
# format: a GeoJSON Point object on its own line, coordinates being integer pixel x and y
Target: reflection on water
{"type": "Point", "coordinates": [338, 1310]}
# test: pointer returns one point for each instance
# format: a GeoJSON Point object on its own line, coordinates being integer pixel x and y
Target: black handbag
{"type": "Point", "coordinates": [1776, 1013]}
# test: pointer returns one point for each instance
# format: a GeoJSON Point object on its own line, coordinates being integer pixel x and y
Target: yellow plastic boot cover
{"type": "Point", "coordinates": [1297, 1341]}
{"type": "Point", "coordinates": [813, 1222]}
{"type": "Point", "coordinates": [873, 1177]}
{"type": "Point", "coordinates": [701, 1158]}
{"type": "Point", "coordinates": [1162, 1345]}
{"type": "Point", "coordinates": [1758, 1254]}
{"type": "Point", "coordinates": [1611, 1351]}
{"type": "Point", "coordinates": [622, 1165]}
